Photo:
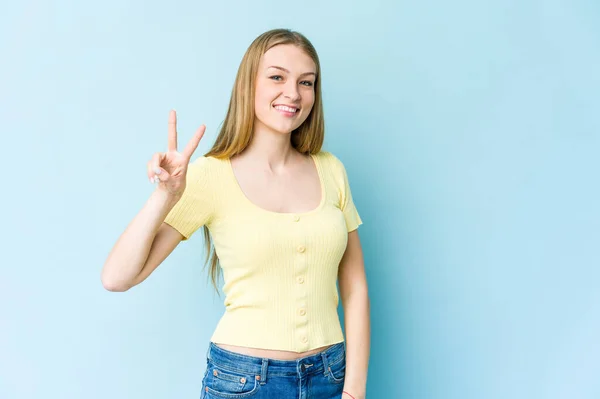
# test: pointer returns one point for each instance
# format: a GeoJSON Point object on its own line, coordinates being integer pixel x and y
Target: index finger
{"type": "Point", "coordinates": [193, 144]}
{"type": "Point", "coordinates": [172, 131]}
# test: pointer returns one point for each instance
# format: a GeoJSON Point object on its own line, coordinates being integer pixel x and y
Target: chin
{"type": "Point", "coordinates": [279, 126]}
{"type": "Point", "coordinates": [282, 129]}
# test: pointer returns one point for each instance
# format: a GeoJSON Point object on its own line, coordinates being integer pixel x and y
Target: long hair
{"type": "Point", "coordinates": [237, 129]}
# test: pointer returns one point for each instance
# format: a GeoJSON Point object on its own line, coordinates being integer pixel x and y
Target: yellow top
{"type": "Point", "coordinates": [279, 269]}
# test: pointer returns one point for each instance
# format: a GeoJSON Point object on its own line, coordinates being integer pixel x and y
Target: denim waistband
{"type": "Point", "coordinates": [318, 362]}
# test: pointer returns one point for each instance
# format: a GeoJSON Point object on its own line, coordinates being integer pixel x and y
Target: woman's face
{"type": "Point", "coordinates": [284, 88]}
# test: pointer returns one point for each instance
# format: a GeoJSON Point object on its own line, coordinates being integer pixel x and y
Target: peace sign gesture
{"type": "Point", "coordinates": [170, 168]}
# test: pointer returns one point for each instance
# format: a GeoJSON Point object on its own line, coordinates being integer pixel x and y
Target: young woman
{"type": "Point", "coordinates": [279, 222]}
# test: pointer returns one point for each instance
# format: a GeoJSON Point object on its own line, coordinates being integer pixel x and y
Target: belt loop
{"type": "Point", "coordinates": [325, 363]}
{"type": "Point", "coordinates": [208, 353]}
{"type": "Point", "coordinates": [263, 371]}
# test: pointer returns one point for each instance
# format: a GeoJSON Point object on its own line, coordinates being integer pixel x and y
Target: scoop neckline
{"type": "Point", "coordinates": [261, 209]}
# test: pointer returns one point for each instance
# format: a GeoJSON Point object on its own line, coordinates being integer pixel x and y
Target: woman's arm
{"type": "Point", "coordinates": [147, 240]}
{"type": "Point", "coordinates": [355, 300]}
{"type": "Point", "coordinates": [144, 244]}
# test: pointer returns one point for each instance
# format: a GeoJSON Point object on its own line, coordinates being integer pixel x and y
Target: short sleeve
{"type": "Point", "coordinates": [347, 206]}
{"type": "Point", "coordinates": [196, 206]}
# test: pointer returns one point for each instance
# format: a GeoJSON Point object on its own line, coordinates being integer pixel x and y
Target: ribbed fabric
{"type": "Point", "coordinates": [279, 269]}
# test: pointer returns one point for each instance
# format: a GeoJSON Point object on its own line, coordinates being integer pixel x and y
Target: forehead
{"type": "Point", "coordinates": [289, 57]}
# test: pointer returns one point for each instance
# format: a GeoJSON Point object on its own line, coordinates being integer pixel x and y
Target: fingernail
{"type": "Point", "coordinates": [157, 171]}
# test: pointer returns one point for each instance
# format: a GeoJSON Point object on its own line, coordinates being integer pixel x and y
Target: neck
{"type": "Point", "coordinates": [270, 148]}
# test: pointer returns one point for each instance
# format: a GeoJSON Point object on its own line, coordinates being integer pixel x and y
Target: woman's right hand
{"type": "Point", "coordinates": [170, 168]}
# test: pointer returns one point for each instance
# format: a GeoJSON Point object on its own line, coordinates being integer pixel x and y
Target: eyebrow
{"type": "Point", "coordinates": [285, 70]}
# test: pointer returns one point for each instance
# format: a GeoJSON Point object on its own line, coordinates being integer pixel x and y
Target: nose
{"type": "Point", "coordinates": [291, 90]}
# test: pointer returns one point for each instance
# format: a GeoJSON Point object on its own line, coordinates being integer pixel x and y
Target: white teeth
{"type": "Point", "coordinates": [284, 108]}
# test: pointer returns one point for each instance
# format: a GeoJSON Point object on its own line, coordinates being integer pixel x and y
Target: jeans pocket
{"type": "Point", "coordinates": [230, 384]}
{"type": "Point", "coordinates": [336, 373]}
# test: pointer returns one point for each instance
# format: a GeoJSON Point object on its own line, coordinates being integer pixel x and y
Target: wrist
{"type": "Point", "coordinates": [165, 198]}
{"type": "Point", "coordinates": [347, 394]}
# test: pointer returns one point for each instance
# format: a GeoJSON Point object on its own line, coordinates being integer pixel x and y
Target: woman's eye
{"type": "Point", "coordinates": [278, 78]}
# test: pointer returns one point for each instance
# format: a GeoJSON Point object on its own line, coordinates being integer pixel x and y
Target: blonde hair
{"type": "Point", "coordinates": [238, 127]}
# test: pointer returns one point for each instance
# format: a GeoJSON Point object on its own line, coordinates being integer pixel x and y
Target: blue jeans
{"type": "Point", "coordinates": [231, 375]}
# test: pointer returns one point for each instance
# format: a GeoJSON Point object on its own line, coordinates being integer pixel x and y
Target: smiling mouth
{"type": "Point", "coordinates": [286, 109]}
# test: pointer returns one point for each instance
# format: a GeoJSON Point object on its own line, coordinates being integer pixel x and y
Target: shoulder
{"type": "Point", "coordinates": [205, 171]}
{"type": "Point", "coordinates": [206, 165]}
{"type": "Point", "coordinates": [331, 161]}
{"type": "Point", "coordinates": [206, 162]}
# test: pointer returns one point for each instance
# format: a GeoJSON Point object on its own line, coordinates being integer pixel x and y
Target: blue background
{"type": "Point", "coordinates": [470, 132]}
